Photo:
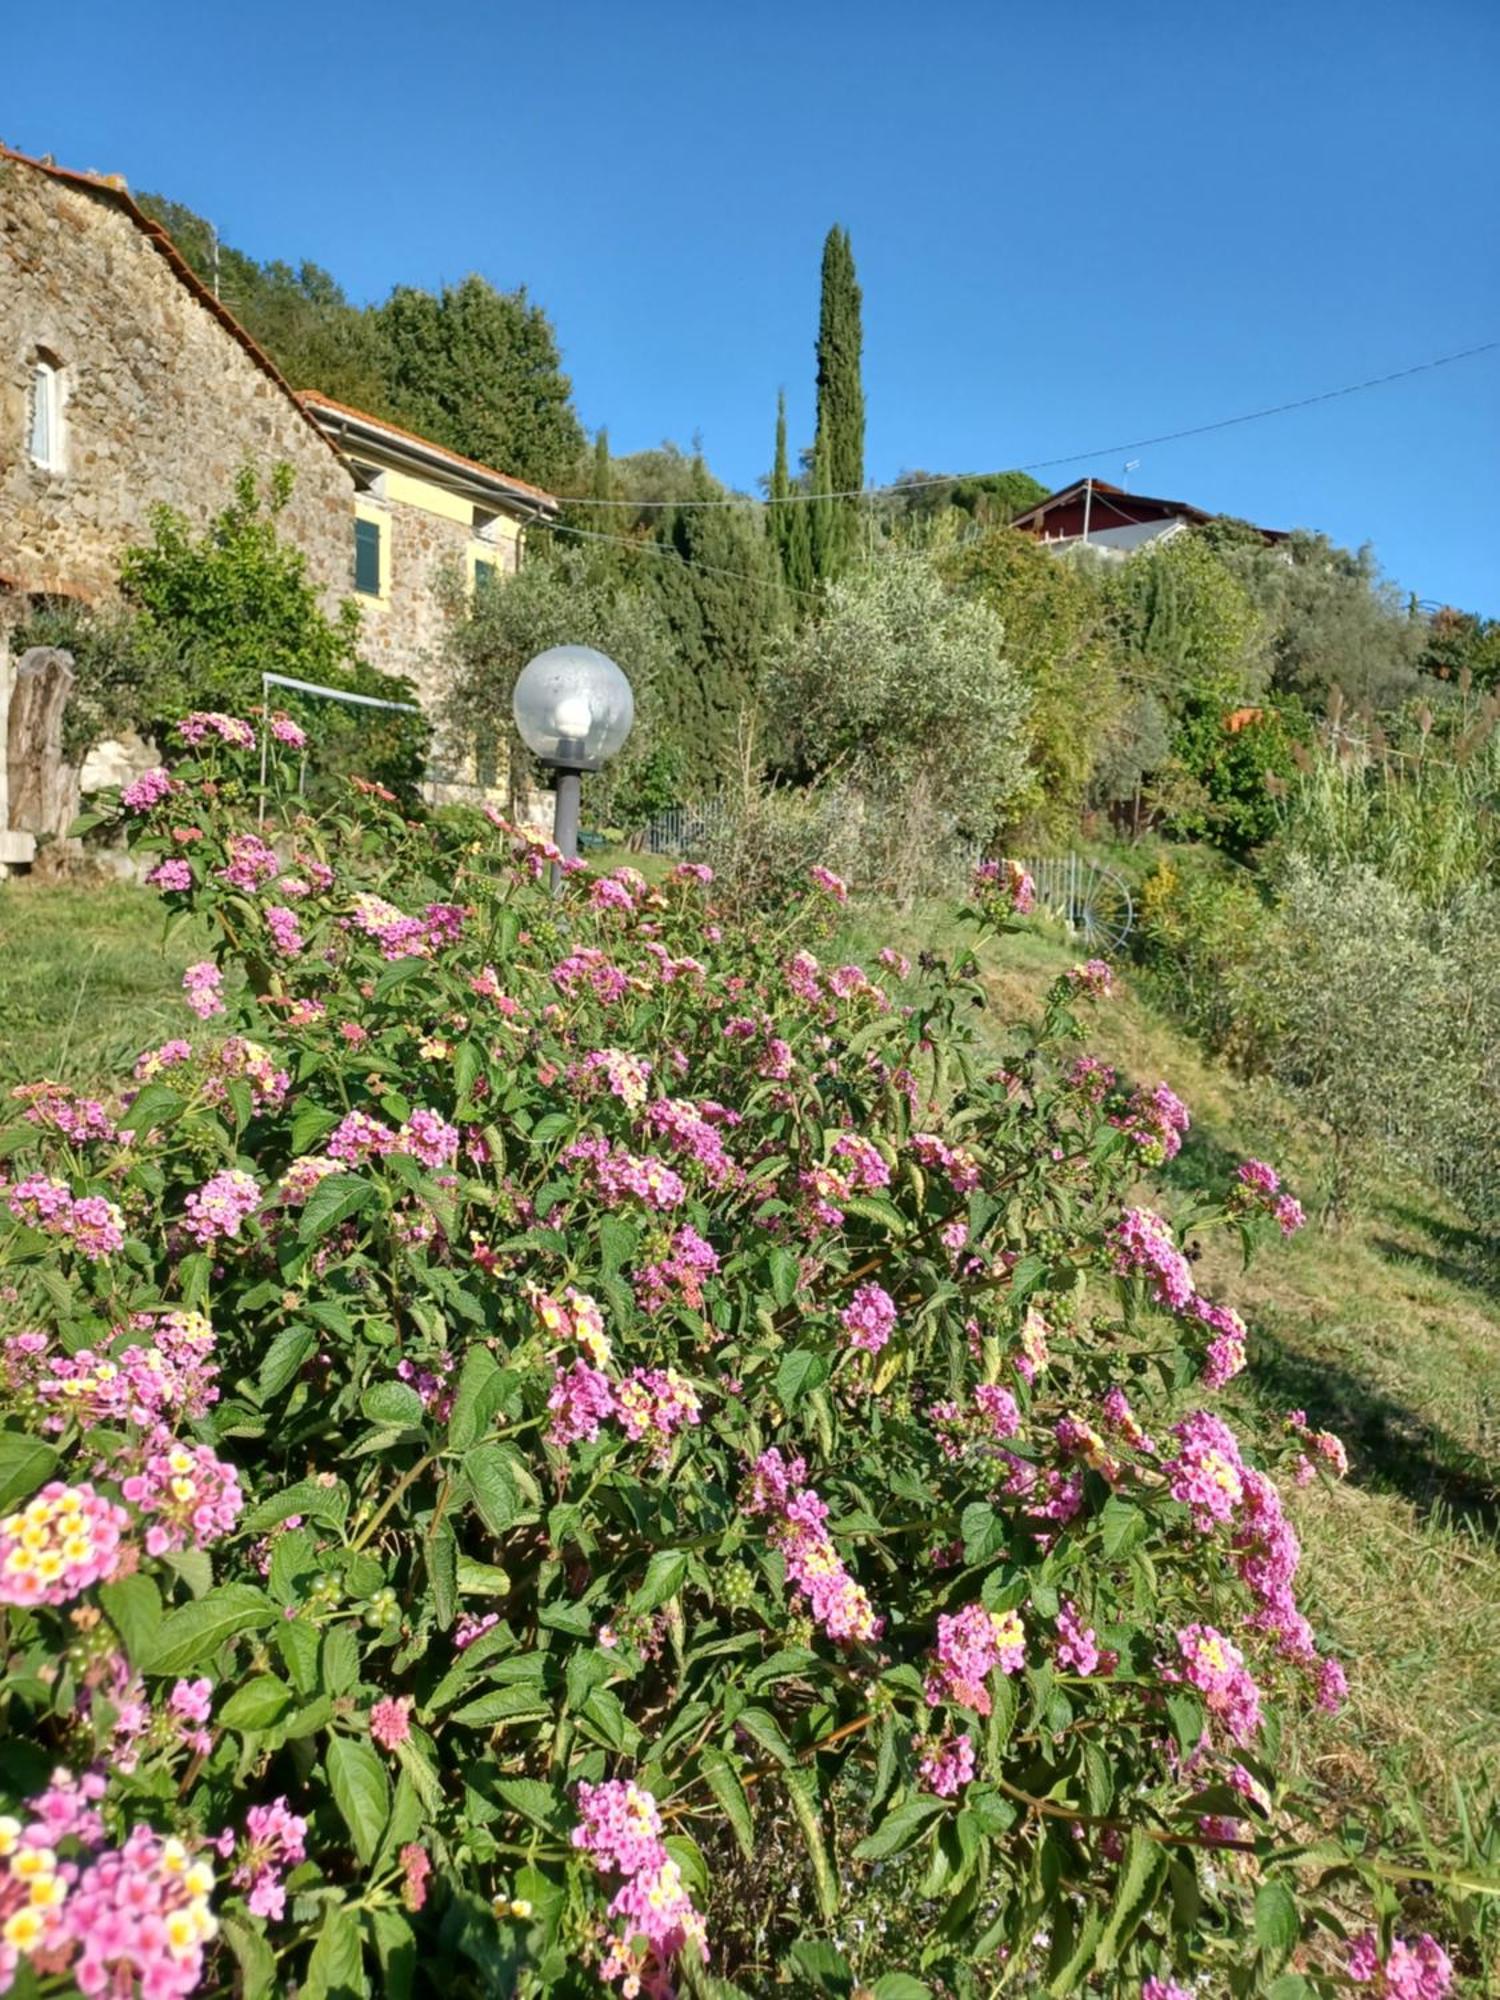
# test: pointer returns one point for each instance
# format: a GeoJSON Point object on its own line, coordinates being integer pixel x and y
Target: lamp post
{"type": "Point", "coordinates": [573, 707]}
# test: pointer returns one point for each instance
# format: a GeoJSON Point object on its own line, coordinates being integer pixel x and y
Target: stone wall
{"type": "Point", "coordinates": [162, 403]}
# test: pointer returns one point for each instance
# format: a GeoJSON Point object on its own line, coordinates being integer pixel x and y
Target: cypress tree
{"type": "Point", "coordinates": [790, 520]}
{"type": "Point", "coordinates": [601, 487]}
{"type": "Point", "coordinates": [839, 455]}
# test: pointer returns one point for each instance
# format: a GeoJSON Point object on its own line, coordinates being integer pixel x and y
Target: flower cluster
{"type": "Point", "coordinates": [1419, 1971]}
{"type": "Point", "coordinates": [1215, 1666]}
{"type": "Point", "coordinates": [89, 1224]}
{"type": "Point", "coordinates": [274, 1841]}
{"type": "Point", "coordinates": [189, 1496]}
{"type": "Point", "coordinates": [619, 1175]}
{"type": "Point", "coordinates": [1003, 888]}
{"type": "Point", "coordinates": [223, 1204]}
{"type": "Point", "coordinates": [971, 1644]}
{"type": "Point", "coordinates": [64, 1539]}
{"type": "Point", "coordinates": [656, 1403]}
{"type": "Point", "coordinates": [149, 789]}
{"type": "Point", "coordinates": [1154, 1121]}
{"type": "Point", "coordinates": [620, 1827]}
{"type": "Point", "coordinates": [681, 1274]}
{"type": "Point", "coordinates": [1258, 1189]}
{"type": "Point", "coordinates": [948, 1765]}
{"type": "Point", "coordinates": [195, 729]}
{"type": "Point", "coordinates": [1144, 1248]}
{"type": "Point", "coordinates": [697, 1132]}
{"type": "Point", "coordinates": [837, 1602]}
{"type": "Point", "coordinates": [869, 1318]}
{"type": "Point", "coordinates": [201, 984]}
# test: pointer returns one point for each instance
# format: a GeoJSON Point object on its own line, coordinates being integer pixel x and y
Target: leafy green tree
{"type": "Point", "coordinates": [491, 634]}
{"type": "Point", "coordinates": [1332, 621]}
{"type": "Point", "coordinates": [299, 315]}
{"type": "Point", "coordinates": [1459, 643]}
{"type": "Point", "coordinates": [839, 452]}
{"type": "Point", "coordinates": [922, 501]}
{"type": "Point", "coordinates": [1057, 639]}
{"type": "Point", "coordinates": [213, 611]}
{"type": "Point", "coordinates": [1180, 616]}
{"type": "Point", "coordinates": [906, 689]}
{"type": "Point", "coordinates": [478, 371]}
{"type": "Point", "coordinates": [722, 601]}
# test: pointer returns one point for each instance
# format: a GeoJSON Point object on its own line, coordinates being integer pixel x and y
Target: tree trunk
{"type": "Point", "coordinates": [43, 789]}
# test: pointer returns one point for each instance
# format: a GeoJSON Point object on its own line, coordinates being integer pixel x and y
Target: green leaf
{"type": "Point", "coordinates": [331, 1202]}
{"type": "Point", "coordinates": [1122, 1526]}
{"type": "Point", "coordinates": [1143, 1859]}
{"type": "Point", "coordinates": [760, 1724]}
{"type": "Point", "coordinates": [190, 1636]}
{"type": "Point", "coordinates": [1079, 1957]}
{"type": "Point", "coordinates": [361, 1791]}
{"type": "Point", "coordinates": [824, 1965]}
{"type": "Point", "coordinates": [308, 1497]}
{"type": "Point", "coordinates": [154, 1106]}
{"type": "Point", "coordinates": [1189, 1719]}
{"type": "Point", "coordinates": [898, 1830]}
{"type": "Point", "coordinates": [132, 1604]}
{"type": "Point", "coordinates": [442, 1574]}
{"type": "Point", "coordinates": [492, 1481]}
{"type": "Point", "coordinates": [283, 1359]}
{"type": "Point", "coordinates": [255, 1958]}
{"type": "Point", "coordinates": [723, 1780]}
{"type": "Point", "coordinates": [786, 1272]}
{"type": "Point", "coordinates": [983, 1531]}
{"type": "Point", "coordinates": [900, 1986]}
{"type": "Point", "coordinates": [800, 1371]}
{"type": "Point", "coordinates": [533, 1800]}
{"type": "Point", "coordinates": [396, 1947]}
{"type": "Point", "coordinates": [802, 1790]}
{"type": "Point", "coordinates": [664, 1574]}
{"type": "Point", "coordinates": [1277, 1925]}
{"type": "Point", "coordinates": [476, 1398]}
{"type": "Point", "coordinates": [194, 1567]}
{"type": "Point", "coordinates": [393, 1403]}
{"type": "Point", "coordinates": [338, 1666]}
{"type": "Point", "coordinates": [336, 1970]}
{"type": "Point", "coordinates": [259, 1704]}
{"type": "Point", "coordinates": [25, 1464]}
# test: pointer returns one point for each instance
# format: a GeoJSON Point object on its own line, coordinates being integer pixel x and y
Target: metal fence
{"type": "Point", "coordinates": [684, 829]}
{"type": "Point", "coordinates": [1091, 899]}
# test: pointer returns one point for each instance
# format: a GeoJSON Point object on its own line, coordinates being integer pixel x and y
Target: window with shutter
{"type": "Point", "coordinates": [367, 558]}
{"type": "Point", "coordinates": [484, 573]}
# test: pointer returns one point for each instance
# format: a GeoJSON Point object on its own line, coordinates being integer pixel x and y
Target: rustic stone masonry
{"type": "Point", "coordinates": [159, 400]}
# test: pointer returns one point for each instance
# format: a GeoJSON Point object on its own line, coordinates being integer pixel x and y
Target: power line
{"type": "Point", "coordinates": [1070, 458]}
{"type": "Point", "coordinates": [674, 555]}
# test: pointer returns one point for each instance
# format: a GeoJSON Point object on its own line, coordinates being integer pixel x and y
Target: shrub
{"type": "Point", "coordinates": [902, 688]}
{"type": "Point", "coordinates": [579, 1443]}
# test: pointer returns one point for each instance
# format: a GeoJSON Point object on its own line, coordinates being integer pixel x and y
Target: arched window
{"type": "Point", "coordinates": [46, 440]}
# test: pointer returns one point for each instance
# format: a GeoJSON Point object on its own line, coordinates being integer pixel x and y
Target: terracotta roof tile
{"type": "Point", "coordinates": [317, 399]}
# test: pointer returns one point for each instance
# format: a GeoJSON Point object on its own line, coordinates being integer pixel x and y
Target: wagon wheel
{"type": "Point", "coordinates": [1102, 910]}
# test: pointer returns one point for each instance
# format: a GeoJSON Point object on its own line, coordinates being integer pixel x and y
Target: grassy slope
{"type": "Point", "coordinates": [1388, 1333]}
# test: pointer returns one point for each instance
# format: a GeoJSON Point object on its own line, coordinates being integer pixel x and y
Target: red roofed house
{"type": "Point", "coordinates": [1092, 512]}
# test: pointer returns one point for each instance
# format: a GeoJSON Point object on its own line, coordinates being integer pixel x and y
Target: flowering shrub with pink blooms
{"type": "Point", "coordinates": [572, 1446]}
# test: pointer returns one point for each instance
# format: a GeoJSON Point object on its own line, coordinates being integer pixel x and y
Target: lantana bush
{"type": "Point", "coordinates": [556, 1444]}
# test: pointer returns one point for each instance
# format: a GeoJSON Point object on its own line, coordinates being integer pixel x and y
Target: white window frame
{"type": "Point", "coordinates": [46, 439]}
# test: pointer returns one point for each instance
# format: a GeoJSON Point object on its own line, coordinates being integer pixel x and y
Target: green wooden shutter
{"type": "Point", "coordinates": [484, 573]}
{"type": "Point", "coordinates": [367, 557]}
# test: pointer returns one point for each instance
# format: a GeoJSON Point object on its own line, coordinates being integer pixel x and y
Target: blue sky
{"type": "Point", "coordinates": [1073, 225]}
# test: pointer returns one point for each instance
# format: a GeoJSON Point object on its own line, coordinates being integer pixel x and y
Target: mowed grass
{"type": "Point", "coordinates": [1387, 1332]}
{"type": "Point", "coordinates": [88, 979]}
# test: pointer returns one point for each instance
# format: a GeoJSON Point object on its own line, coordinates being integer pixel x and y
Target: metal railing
{"type": "Point", "coordinates": [684, 829]}
{"type": "Point", "coordinates": [1091, 899]}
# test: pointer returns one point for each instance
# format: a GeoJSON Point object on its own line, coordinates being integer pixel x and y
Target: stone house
{"type": "Point", "coordinates": [421, 510]}
{"type": "Point", "coordinates": [124, 383]}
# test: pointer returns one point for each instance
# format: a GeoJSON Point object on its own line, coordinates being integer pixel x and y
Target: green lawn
{"type": "Point", "coordinates": [88, 978]}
